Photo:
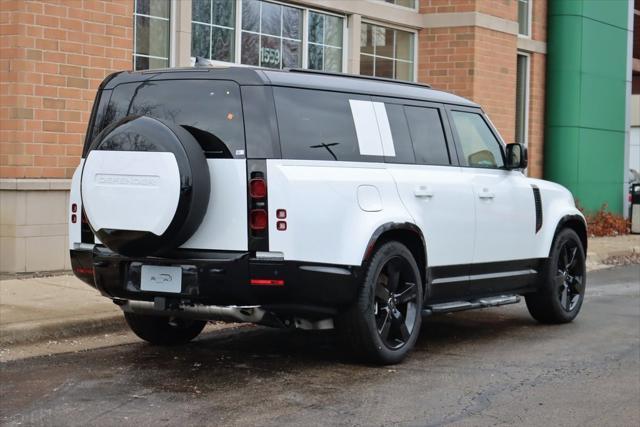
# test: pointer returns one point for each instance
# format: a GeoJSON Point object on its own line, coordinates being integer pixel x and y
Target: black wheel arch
{"type": "Point", "coordinates": [577, 224]}
{"type": "Point", "coordinates": [409, 235]}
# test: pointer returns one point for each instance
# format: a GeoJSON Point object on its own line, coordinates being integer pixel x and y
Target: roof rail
{"type": "Point", "coordinates": [356, 76]}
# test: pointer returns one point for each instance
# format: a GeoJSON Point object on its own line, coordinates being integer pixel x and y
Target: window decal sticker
{"type": "Point", "coordinates": [385, 129]}
{"type": "Point", "coordinates": [364, 118]}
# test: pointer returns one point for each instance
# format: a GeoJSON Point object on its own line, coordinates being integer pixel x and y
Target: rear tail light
{"type": "Point", "coordinates": [258, 188]}
{"type": "Point", "coordinates": [258, 219]}
{"type": "Point", "coordinates": [267, 282]}
{"type": "Point", "coordinates": [74, 208]}
{"type": "Point", "coordinates": [74, 218]}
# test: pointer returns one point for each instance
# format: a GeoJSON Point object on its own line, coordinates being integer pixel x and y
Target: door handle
{"type": "Point", "coordinates": [422, 191]}
{"type": "Point", "coordinates": [486, 194]}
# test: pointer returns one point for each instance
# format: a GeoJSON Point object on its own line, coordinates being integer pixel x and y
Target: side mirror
{"type": "Point", "coordinates": [516, 156]}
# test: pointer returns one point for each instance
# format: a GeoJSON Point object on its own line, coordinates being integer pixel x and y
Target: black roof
{"type": "Point", "coordinates": [293, 78]}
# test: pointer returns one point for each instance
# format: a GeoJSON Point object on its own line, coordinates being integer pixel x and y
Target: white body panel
{"type": "Point", "coordinates": [440, 199]}
{"type": "Point", "coordinates": [224, 226]}
{"type": "Point", "coordinates": [557, 202]}
{"type": "Point", "coordinates": [75, 231]}
{"type": "Point", "coordinates": [505, 215]}
{"type": "Point", "coordinates": [325, 222]}
{"type": "Point", "coordinates": [130, 190]}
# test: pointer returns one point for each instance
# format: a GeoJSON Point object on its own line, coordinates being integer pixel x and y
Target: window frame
{"type": "Point", "coordinates": [399, 28]}
{"type": "Point", "coordinates": [304, 30]}
{"type": "Point", "coordinates": [462, 162]}
{"type": "Point", "coordinates": [171, 60]}
{"type": "Point", "coordinates": [416, 5]}
{"type": "Point", "coordinates": [529, 20]}
{"type": "Point", "coordinates": [527, 97]}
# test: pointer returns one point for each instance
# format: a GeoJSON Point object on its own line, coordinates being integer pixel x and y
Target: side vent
{"type": "Point", "coordinates": [538, 200]}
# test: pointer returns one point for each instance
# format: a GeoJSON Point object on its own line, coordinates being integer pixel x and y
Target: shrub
{"type": "Point", "coordinates": [604, 223]}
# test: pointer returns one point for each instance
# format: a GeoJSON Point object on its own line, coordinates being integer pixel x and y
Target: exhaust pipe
{"type": "Point", "coordinates": [244, 314]}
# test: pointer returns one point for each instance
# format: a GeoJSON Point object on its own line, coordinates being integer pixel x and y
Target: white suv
{"type": "Point", "coordinates": [312, 200]}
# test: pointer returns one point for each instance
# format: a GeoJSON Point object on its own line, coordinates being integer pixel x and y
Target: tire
{"type": "Point", "coordinates": [561, 292]}
{"type": "Point", "coordinates": [188, 189]}
{"type": "Point", "coordinates": [165, 331]}
{"type": "Point", "coordinates": [379, 331]}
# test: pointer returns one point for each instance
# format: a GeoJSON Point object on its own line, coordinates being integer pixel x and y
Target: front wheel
{"type": "Point", "coordinates": [561, 293]}
{"type": "Point", "coordinates": [384, 323]}
{"type": "Point", "coordinates": [162, 330]}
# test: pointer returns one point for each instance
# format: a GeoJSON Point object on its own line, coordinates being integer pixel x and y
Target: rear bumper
{"type": "Point", "coordinates": [225, 278]}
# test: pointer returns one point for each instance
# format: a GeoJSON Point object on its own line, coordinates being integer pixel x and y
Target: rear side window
{"type": "Point", "coordinates": [427, 134]}
{"type": "Point", "coordinates": [401, 135]}
{"type": "Point", "coordinates": [480, 149]}
{"type": "Point", "coordinates": [209, 109]}
{"type": "Point", "coordinates": [317, 125]}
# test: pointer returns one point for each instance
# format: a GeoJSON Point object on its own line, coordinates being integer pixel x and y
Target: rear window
{"type": "Point", "coordinates": [209, 109]}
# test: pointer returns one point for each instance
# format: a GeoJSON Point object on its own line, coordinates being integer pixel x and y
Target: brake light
{"type": "Point", "coordinates": [258, 219]}
{"type": "Point", "coordinates": [74, 208]}
{"type": "Point", "coordinates": [258, 188]}
{"type": "Point", "coordinates": [267, 282]}
{"type": "Point", "coordinates": [74, 218]}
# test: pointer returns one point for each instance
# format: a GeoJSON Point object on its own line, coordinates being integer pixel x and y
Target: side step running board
{"type": "Point", "coordinates": [449, 307]}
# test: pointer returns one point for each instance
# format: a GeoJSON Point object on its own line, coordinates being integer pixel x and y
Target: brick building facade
{"type": "Point", "coordinates": [55, 53]}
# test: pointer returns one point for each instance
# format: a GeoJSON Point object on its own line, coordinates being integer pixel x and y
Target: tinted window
{"type": "Point", "coordinates": [317, 125]}
{"type": "Point", "coordinates": [427, 134]}
{"type": "Point", "coordinates": [400, 134]}
{"type": "Point", "coordinates": [210, 110]}
{"type": "Point", "coordinates": [479, 147]}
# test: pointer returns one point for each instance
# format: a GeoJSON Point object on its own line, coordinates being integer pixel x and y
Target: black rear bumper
{"type": "Point", "coordinates": [225, 278]}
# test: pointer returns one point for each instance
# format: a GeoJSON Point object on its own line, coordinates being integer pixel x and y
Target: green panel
{"type": "Point", "coordinates": [601, 157]}
{"type": "Point", "coordinates": [565, 7]}
{"type": "Point", "coordinates": [585, 99]}
{"type": "Point", "coordinates": [604, 49]}
{"type": "Point", "coordinates": [561, 157]}
{"type": "Point", "coordinates": [564, 41]}
{"type": "Point", "coordinates": [603, 103]}
{"type": "Point", "coordinates": [563, 99]}
{"type": "Point", "coordinates": [612, 12]}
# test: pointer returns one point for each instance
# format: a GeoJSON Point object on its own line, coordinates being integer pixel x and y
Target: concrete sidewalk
{"type": "Point", "coordinates": [57, 307]}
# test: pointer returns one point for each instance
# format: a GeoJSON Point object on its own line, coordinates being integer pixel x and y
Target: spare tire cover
{"type": "Point", "coordinates": [145, 186]}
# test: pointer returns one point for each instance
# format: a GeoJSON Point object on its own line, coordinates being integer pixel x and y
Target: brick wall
{"type": "Point", "coordinates": [480, 64]}
{"type": "Point", "coordinates": [494, 85]}
{"type": "Point", "coordinates": [53, 56]}
{"type": "Point", "coordinates": [447, 59]}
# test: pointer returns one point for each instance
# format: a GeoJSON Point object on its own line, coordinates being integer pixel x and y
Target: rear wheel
{"type": "Point", "coordinates": [561, 293]}
{"type": "Point", "coordinates": [162, 330]}
{"type": "Point", "coordinates": [384, 324]}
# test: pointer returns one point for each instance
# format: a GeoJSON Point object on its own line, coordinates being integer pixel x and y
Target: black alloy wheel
{"type": "Point", "coordinates": [383, 325]}
{"type": "Point", "coordinates": [395, 305]}
{"type": "Point", "coordinates": [570, 277]}
{"type": "Point", "coordinates": [561, 289]}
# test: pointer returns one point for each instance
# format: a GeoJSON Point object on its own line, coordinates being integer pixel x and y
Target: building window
{"type": "Point", "coordinates": [522, 99]}
{"type": "Point", "coordinates": [271, 35]}
{"type": "Point", "coordinates": [404, 3]}
{"type": "Point", "coordinates": [524, 17]}
{"type": "Point", "coordinates": [386, 52]}
{"type": "Point", "coordinates": [213, 29]}
{"type": "Point", "coordinates": [152, 34]}
{"type": "Point", "coordinates": [325, 42]}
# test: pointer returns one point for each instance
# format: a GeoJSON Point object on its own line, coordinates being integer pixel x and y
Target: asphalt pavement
{"type": "Point", "coordinates": [485, 367]}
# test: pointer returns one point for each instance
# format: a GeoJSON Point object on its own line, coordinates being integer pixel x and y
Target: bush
{"type": "Point", "coordinates": [604, 223]}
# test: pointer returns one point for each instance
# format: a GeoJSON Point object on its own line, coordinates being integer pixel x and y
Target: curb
{"type": "Point", "coordinates": [71, 327]}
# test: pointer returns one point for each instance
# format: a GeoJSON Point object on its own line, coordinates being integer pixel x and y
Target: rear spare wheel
{"type": "Point", "coordinates": [145, 186]}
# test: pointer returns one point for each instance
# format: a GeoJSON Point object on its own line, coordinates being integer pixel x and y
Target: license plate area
{"type": "Point", "coordinates": [157, 278]}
